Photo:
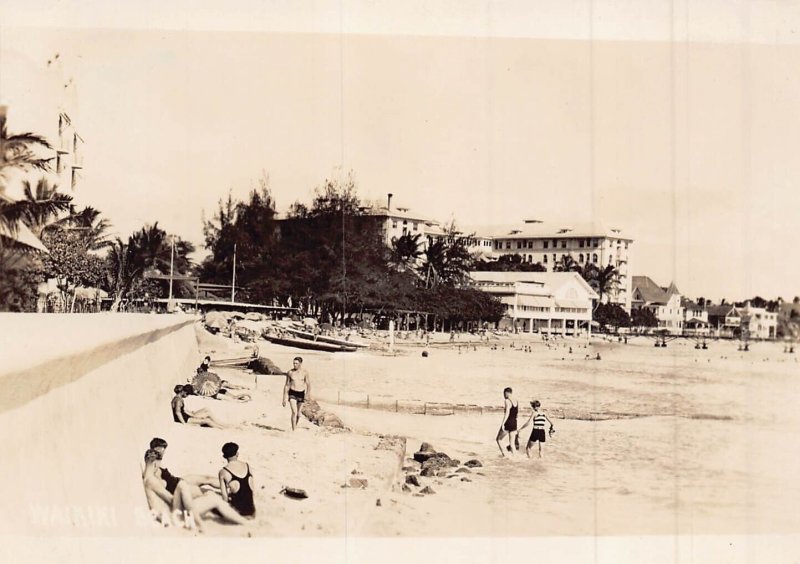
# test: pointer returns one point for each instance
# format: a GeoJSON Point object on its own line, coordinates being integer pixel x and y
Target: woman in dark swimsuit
{"type": "Point", "coordinates": [236, 481]}
{"type": "Point", "coordinates": [509, 424]}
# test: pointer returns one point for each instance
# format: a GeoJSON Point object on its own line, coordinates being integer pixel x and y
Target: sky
{"type": "Point", "coordinates": [677, 122]}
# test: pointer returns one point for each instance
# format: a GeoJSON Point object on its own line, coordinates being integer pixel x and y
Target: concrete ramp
{"type": "Point", "coordinates": [80, 398]}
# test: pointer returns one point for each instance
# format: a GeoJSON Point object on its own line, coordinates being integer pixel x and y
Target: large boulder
{"type": "Point", "coordinates": [425, 451]}
{"type": "Point", "coordinates": [437, 462]}
{"type": "Point", "coordinates": [263, 365]}
{"type": "Point", "coordinates": [474, 463]}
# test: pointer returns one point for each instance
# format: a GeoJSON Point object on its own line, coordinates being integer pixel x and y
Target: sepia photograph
{"type": "Point", "coordinates": [372, 281]}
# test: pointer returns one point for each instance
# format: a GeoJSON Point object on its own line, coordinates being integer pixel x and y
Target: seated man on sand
{"type": "Point", "coordinates": [160, 499]}
{"type": "Point", "coordinates": [200, 417]}
{"type": "Point", "coordinates": [160, 446]}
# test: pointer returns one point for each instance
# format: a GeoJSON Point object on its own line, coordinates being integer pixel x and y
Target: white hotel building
{"type": "Point", "coordinates": [535, 241]}
{"type": "Point", "coordinates": [541, 302]}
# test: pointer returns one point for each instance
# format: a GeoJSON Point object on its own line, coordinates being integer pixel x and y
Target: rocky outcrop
{"type": "Point", "coordinates": [314, 413]}
{"type": "Point", "coordinates": [474, 463]}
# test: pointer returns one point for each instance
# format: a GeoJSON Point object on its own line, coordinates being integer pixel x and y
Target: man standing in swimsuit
{"type": "Point", "coordinates": [297, 389]}
{"type": "Point", "coordinates": [509, 424]}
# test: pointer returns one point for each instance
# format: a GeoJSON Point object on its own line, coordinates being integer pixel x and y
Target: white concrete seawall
{"type": "Point", "coordinates": [80, 398]}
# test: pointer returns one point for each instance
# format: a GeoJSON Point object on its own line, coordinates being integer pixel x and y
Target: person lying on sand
{"type": "Point", "coordinates": [236, 481]}
{"type": "Point", "coordinates": [509, 423]}
{"type": "Point", "coordinates": [200, 417]}
{"type": "Point", "coordinates": [159, 498]}
{"type": "Point", "coordinates": [226, 393]}
{"type": "Point", "coordinates": [297, 389]}
{"type": "Point", "coordinates": [537, 435]}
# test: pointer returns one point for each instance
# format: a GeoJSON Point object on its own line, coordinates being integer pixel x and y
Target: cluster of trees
{"type": "Point", "coordinates": [329, 258]}
{"type": "Point", "coordinates": [44, 236]}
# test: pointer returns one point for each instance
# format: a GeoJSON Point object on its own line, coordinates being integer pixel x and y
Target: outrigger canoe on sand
{"type": "Point", "coordinates": [310, 345]}
{"type": "Point", "coordinates": [325, 339]}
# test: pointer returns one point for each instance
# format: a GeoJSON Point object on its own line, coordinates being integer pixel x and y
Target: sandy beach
{"type": "Point", "coordinates": [649, 440]}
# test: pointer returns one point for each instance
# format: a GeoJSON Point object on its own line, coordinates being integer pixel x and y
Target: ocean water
{"type": "Point", "coordinates": [649, 440]}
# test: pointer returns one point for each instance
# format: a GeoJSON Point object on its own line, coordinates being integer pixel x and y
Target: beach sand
{"type": "Point", "coordinates": [649, 440]}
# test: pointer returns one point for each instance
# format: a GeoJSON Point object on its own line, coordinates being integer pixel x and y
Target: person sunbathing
{"type": "Point", "coordinates": [182, 498]}
{"type": "Point", "coordinates": [226, 393]}
{"type": "Point", "coordinates": [200, 417]}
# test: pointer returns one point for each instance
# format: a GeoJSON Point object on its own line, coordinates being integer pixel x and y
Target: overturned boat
{"type": "Point", "coordinates": [308, 344]}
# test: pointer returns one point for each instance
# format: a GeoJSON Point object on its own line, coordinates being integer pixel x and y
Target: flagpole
{"type": "Point", "coordinates": [171, 263]}
{"type": "Point", "coordinates": [233, 283]}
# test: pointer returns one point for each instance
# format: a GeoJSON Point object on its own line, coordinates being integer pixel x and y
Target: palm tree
{"type": "Point", "coordinates": [18, 152]}
{"type": "Point", "coordinates": [94, 229]}
{"type": "Point", "coordinates": [405, 251]}
{"type": "Point", "coordinates": [604, 280]}
{"type": "Point", "coordinates": [567, 264]}
{"type": "Point", "coordinates": [43, 206]}
{"type": "Point", "coordinates": [147, 249]}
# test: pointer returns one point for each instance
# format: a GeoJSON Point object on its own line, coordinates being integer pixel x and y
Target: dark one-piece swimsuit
{"type": "Point", "coordinates": [511, 422]}
{"type": "Point", "coordinates": [242, 500]}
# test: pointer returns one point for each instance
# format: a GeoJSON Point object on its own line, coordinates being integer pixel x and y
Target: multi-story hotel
{"type": "Point", "coordinates": [538, 242]}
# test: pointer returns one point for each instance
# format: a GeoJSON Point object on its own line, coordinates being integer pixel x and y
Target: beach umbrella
{"type": "Point", "coordinates": [253, 316]}
{"type": "Point", "coordinates": [206, 384]}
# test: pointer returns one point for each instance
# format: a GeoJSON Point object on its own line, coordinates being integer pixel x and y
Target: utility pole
{"type": "Point", "coordinates": [233, 283]}
{"type": "Point", "coordinates": [171, 265]}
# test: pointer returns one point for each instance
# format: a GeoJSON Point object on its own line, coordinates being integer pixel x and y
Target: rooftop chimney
{"type": "Point", "coordinates": [389, 202]}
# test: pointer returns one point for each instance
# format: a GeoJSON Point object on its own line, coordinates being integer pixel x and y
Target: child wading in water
{"type": "Point", "coordinates": [537, 435]}
{"type": "Point", "coordinates": [509, 424]}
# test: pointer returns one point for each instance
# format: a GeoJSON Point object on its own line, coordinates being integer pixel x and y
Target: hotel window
{"type": "Point", "coordinates": [580, 257]}
{"type": "Point", "coordinates": [530, 258]}
{"type": "Point", "coordinates": [519, 244]}
{"type": "Point", "coordinates": [580, 243]}
{"type": "Point", "coordinates": [546, 244]}
{"type": "Point", "coordinates": [563, 243]}
{"type": "Point", "coordinates": [594, 258]}
{"type": "Point", "coordinates": [530, 244]}
{"type": "Point", "coordinates": [555, 243]}
{"type": "Point", "coordinates": [545, 259]}
{"type": "Point", "coordinates": [554, 258]}
{"type": "Point", "coordinates": [594, 242]}
{"type": "Point", "coordinates": [416, 226]}
{"type": "Point", "coordinates": [508, 244]}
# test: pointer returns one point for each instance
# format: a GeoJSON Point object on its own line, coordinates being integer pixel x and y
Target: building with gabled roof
{"type": "Point", "coordinates": [695, 317]}
{"type": "Point", "coordinates": [664, 302]}
{"type": "Point", "coordinates": [541, 302]}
